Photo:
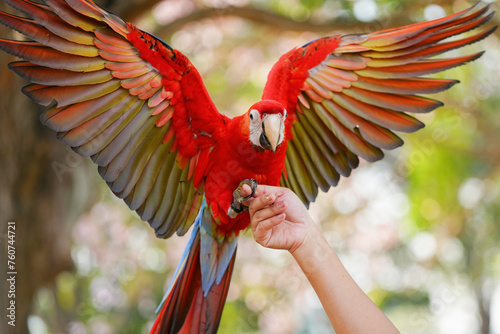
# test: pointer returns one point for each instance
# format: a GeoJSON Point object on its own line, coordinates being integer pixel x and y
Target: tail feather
{"type": "Point", "coordinates": [184, 290]}
{"type": "Point", "coordinates": [211, 312]}
{"type": "Point", "coordinates": [206, 311]}
{"type": "Point", "coordinates": [187, 308]}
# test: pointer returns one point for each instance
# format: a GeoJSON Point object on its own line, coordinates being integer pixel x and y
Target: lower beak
{"type": "Point", "coordinates": [271, 129]}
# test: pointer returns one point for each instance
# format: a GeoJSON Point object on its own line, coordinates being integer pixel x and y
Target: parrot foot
{"type": "Point", "coordinates": [236, 207]}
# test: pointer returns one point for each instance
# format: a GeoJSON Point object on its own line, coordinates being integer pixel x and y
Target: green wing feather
{"type": "Point", "coordinates": [353, 101]}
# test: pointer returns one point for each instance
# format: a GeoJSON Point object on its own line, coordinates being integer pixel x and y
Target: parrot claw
{"type": "Point", "coordinates": [236, 207]}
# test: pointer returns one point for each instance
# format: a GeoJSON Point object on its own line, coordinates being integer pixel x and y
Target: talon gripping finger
{"type": "Point", "coordinates": [236, 206]}
{"type": "Point", "coordinates": [252, 184]}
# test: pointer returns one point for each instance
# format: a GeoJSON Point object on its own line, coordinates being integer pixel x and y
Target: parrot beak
{"type": "Point", "coordinates": [271, 127]}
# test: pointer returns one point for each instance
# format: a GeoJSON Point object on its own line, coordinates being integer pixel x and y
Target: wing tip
{"type": "Point", "coordinates": [449, 84]}
{"type": "Point", "coordinates": [474, 57]}
{"type": "Point", "coordinates": [373, 157]}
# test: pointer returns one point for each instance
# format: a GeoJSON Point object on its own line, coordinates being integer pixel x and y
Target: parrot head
{"type": "Point", "coordinates": [267, 124]}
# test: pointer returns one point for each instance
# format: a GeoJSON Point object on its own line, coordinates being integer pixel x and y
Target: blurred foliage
{"type": "Point", "coordinates": [418, 231]}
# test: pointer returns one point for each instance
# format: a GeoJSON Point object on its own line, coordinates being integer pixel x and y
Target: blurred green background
{"type": "Point", "coordinates": [419, 231]}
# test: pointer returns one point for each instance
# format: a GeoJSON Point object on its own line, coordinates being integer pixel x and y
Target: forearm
{"type": "Point", "coordinates": [347, 306]}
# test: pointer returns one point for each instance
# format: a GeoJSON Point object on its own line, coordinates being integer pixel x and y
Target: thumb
{"type": "Point", "coordinates": [245, 190]}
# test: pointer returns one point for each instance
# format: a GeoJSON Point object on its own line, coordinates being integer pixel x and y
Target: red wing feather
{"type": "Point", "coordinates": [119, 95]}
{"type": "Point", "coordinates": [47, 76]}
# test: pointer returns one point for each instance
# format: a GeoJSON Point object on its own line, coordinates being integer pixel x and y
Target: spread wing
{"type": "Point", "coordinates": [133, 104]}
{"type": "Point", "coordinates": [348, 95]}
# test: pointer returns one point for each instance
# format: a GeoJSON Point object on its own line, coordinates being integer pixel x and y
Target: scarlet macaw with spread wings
{"type": "Point", "coordinates": [140, 110]}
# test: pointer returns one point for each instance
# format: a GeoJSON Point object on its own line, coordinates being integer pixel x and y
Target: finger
{"type": "Point", "coordinates": [267, 212]}
{"type": "Point", "coordinates": [260, 203]}
{"type": "Point", "coordinates": [265, 189]}
{"type": "Point", "coordinates": [260, 190]}
{"type": "Point", "coordinates": [245, 190]}
{"type": "Point", "coordinates": [266, 225]}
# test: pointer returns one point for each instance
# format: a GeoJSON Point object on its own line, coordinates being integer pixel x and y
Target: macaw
{"type": "Point", "coordinates": [140, 110]}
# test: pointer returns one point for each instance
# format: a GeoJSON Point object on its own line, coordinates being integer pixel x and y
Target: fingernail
{"type": "Point", "coordinates": [281, 216]}
{"type": "Point", "coordinates": [280, 205]}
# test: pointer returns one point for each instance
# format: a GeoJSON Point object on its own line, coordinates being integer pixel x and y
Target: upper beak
{"type": "Point", "coordinates": [271, 127]}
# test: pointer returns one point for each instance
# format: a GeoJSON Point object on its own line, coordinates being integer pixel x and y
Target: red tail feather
{"type": "Point", "coordinates": [186, 309]}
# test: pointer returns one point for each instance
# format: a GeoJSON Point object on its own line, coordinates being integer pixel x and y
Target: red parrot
{"type": "Point", "coordinates": [140, 110]}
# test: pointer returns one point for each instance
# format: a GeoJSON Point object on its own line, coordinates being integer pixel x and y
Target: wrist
{"type": "Point", "coordinates": [313, 249]}
{"type": "Point", "coordinates": [310, 229]}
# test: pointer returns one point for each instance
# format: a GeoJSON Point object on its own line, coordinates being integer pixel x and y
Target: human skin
{"type": "Point", "coordinates": [279, 220]}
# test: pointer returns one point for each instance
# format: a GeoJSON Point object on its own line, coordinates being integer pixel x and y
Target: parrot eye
{"type": "Point", "coordinates": [254, 114]}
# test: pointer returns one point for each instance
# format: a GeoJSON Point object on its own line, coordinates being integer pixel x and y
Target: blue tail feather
{"type": "Point", "coordinates": [215, 253]}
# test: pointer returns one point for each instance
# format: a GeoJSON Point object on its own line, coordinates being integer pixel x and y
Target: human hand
{"type": "Point", "coordinates": [278, 217]}
{"type": "Point", "coordinates": [280, 220]}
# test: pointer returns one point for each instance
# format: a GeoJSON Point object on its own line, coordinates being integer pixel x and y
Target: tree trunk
{"type": "Point", "coordinates": [39, 194]}
{"type": "Point", "coordinates": [44, 188]}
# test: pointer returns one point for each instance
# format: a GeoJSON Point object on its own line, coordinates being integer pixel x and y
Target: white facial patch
{"type": "Point", "coordinates": [255, 127]}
